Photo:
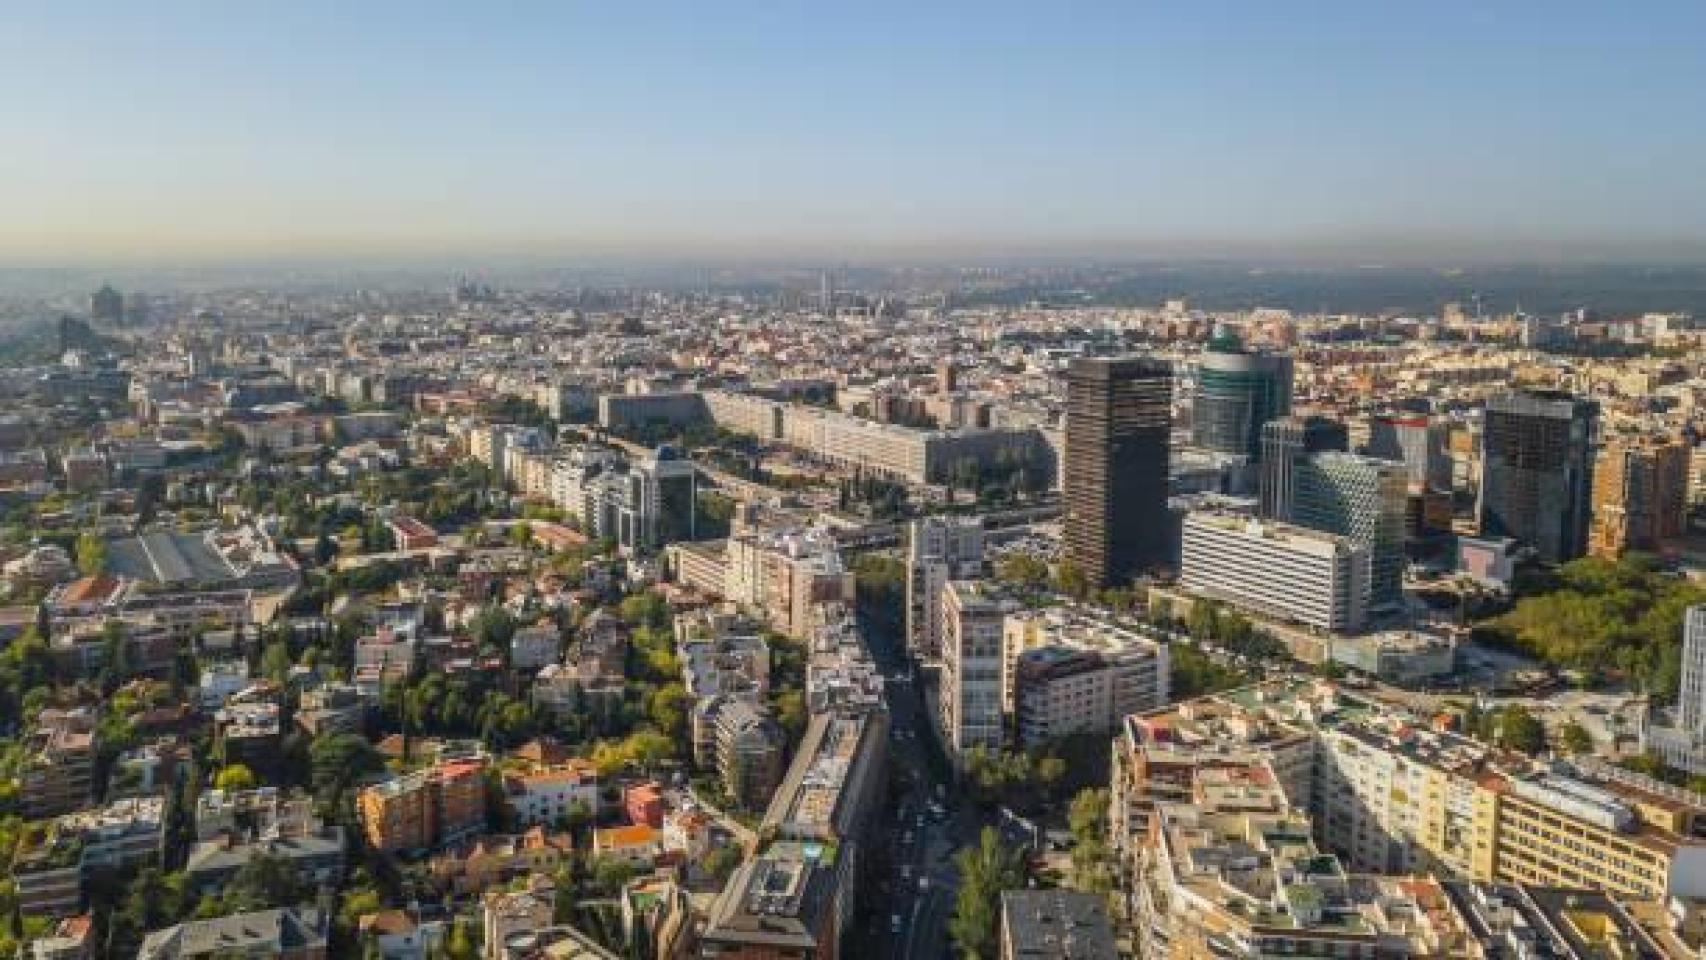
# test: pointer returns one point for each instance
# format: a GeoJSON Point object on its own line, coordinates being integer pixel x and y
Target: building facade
{"type": "Point", "coordinates": [1237, 391]}
{"type": "Point", "coordinates": [1364, 499]}
{"type": "Point", "coordinates": [1640, 497]}
{"type": "Point", "coordinates": [970, 689]}
{"type": "Point", "coordinates": [1118, 436]}
{"type": "Point", "coordinates": [1537, 471]}
{"type": "Point", "coordinates": [1285, 572]}
{"type": "Point", "coordinates": [1284, 443]}
{"type": "Point", "coordinates": [938, 550]}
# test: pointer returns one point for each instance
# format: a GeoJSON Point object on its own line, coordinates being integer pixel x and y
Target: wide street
{"type": "Point", "coordinates": [907, 912]}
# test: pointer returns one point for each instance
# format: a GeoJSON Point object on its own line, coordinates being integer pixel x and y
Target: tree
{"type": "Point", "coordinates": [276, 662]}
{"type": "Point", "coordinates": [1087, 819]}
{"type": "Point", "coordinates": [722, 861]}
{"type": "Point", "coordinates": [1023, 570]}
{"type": "Point", "coordinates": [234, 777]}
{"type": "Point", "coordinates": [1069, 577]}
{"type": "Point", "coordinates": [645, 609]}
{"type": "Point", "coordinates": [460, 944]}
{"type": "Point", "coordinates": [91, 554]}
{"type": "Point", "coordinates": [668, 707]}
{"type": "Point", "coordinates": [337, 762]}
{"type": "Point", "coordinates": [1575, 739]}
{"type": "Point", "coordinates": [1520, 730]}
{"type": "Point", "coordinates": [985, 871]}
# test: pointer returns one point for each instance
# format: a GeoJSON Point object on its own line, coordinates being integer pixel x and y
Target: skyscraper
{"type": "Point", "coordinates": [1416, 440]}
{"type": "Point", "coordinates": [1237, 391]}
{"type": "Point", "coordinates": [1118, 419]}
{"type": "Point", "coordinates": [1284, 443]}
{"type": "Point", "coordinates": [1537, 471]}
{"type": "Point", "coordinates": [1362, 499]}
{"type": "Point", "coordinates": [1640, 496]}
{"type": "Point", "coordinates": [106, 305]}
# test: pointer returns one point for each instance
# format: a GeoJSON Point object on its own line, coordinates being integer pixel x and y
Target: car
{"type": "Point", "coordinates": [907, 837]}
{"type": "Point", "coordinates": [906, 871]}
{"type": "Point", "coordinates": [894, 923]}
{"type": "Point", "coordinates": [923, 883]}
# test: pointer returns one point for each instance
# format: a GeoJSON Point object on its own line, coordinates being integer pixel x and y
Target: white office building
{"type": "Point", "coordinates": [1275, 570]}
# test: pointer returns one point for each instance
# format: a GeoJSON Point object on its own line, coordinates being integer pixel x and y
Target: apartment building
{"type": "Point", "coordinates": [298, 933]}
{"type": "Point", "coordinates": [972, 612]}
{"type": "Point", "coordinates": [1640, 497]}
{"type": "Point", "coordinates": [1066, 672]}
{"type": "Point", "coordinates": [938, 549]}
{"type": "Point", "coordinates": [546, 796]}
{"type": "Point", "coordinates": [784, 574]}
{"type": "Point", "coordinates": [425, 809]}
{"type": "Point", "coordinates": [1387, 793]}
{"type": "Point", "coordinates": [58, 763]}
{"type": "Point", "coordinates": [749, 752]}
{"type": "Point", "coordinates": [796, 898]}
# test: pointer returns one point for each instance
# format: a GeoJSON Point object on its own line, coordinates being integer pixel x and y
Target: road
{"type": "Point", "coordinates": [918, 881]}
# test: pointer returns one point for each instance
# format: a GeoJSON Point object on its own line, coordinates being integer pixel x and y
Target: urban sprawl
{"type": "Point", "coordinates": [585, 623]}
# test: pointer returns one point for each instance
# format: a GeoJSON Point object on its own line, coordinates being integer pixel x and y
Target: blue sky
{"type": "Point", "coordinates": [1371, 130]}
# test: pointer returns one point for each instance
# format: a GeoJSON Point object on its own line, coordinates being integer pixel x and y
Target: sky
{"type": "Point", "coordinates": [1371, 131]}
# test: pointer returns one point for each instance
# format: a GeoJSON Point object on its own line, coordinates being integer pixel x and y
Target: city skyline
{"type": "Point", "coordinates": [184, 135]}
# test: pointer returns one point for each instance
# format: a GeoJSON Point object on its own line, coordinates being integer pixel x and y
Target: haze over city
{"type": "Point", "coordinates": [1459, 132]}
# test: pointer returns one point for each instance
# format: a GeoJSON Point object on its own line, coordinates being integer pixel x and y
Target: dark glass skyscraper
{"type": "Point", "coordinates": [1284, 443]}
{"type": "Point", "coordinates": [1237, 391]}
{"type": "Point", "coordinates": [1537, 471]}
{"type": "Point", "coordinates": [1118, 420]}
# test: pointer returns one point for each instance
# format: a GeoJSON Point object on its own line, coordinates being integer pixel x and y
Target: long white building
{"type": "Point", "coordinates": [1275, 570]}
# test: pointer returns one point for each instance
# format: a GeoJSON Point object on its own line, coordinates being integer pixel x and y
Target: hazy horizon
{"type": "Point", "coordinates": [182, 135]}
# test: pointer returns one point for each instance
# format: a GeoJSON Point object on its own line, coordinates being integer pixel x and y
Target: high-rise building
{"type": "Point", "coordinates": [972, 619]}
{"type": "Point", "coordinates": [1118, 420]}
{"type": "Point", "coordinates": [1284, 443]}
{"type": "Point", "coordinates": [1364, 499]}
{"type": "Point", "coordinates": [1640, 496]}
{"type": "Point", "coordinates": [1238, 390]}
{"type": "Point", "coordinates": [1418, 442]}
{"type": "Point", "coordinates": [939, 549]}
{"type": "Point", "coordinates": [106, 305]}
{"type": "Point", "coordinates": [1691, 699]}
{"type": "Point", "coordinates": [1682, 742]}
{"type": "Point", "coordinates": [1537, 471]}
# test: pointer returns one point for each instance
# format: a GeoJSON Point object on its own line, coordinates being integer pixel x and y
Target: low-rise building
{"type": "Point", "coordinates": [287, 934]}
{"type": "Point", "coordinates": [1055, 925]}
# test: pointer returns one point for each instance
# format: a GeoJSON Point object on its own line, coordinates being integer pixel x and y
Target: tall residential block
{"type": "Point", "coordinates": [972, 619]}
{"type": "Point", "coordinates": [1691, 699]}
{"type": "Point", "coordinates": [938, 549]}
{"type": "Point", "coordinates": [1537, 471]}
{"type": "Point", "coordinates": [1284, 443]}
{"type": "Point", "coordinates": [1640, 497]}
{"type": "Point", "coordinates": [1237, 391]}
{"type": "Point", "coordinates": [1118, 420]}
